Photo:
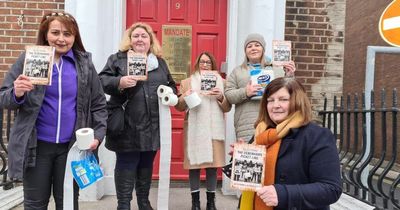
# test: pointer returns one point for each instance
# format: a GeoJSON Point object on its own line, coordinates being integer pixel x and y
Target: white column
{"type": "Point", "coordinates": [266, 17]}
{"type": "Point", "coordinates": [101, 24]}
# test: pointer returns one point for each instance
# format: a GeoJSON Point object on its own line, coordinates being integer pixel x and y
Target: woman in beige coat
{"type": "Point", "coordinates": [204, 127]}
{"type": "Point", "coordinates": [239, 91]}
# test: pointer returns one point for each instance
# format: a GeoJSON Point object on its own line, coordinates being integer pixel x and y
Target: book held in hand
{"type": "Point", "coordinates": [137, 65]}
{"type": "Point", "coordinates": [208, 81]}
{"type": "Point", "coordinates": [281, 52]}
{"type": "Point", "coordinates": [38, 64]}
{"type": "Point", "coordinates": [248, 166]}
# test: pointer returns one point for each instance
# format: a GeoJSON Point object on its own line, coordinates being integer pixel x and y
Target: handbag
{"type": "Point", "coordinates": [227, 169]}
{"type": "Point", "coordinates": [116, 118]}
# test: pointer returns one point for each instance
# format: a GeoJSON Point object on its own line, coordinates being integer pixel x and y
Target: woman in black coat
{"type": "Point", "coordinates": [302, 168]}
{"type": "Point", "coordinates": [137, 145]}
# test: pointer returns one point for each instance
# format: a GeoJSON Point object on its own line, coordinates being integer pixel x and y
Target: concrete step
{"type": "Point", "coordinates": [347, 202]}
{"type": "Point", "coordinates": [11, 198]}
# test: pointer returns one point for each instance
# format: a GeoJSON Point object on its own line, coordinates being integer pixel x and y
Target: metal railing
{"type": "Point", "coordinates": [6, 118]}
{"type": "Point", "coordinates": [367, 144]}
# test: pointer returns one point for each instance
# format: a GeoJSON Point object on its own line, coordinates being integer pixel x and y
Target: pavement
{"type": "Point", "coordinates": [180, 199]}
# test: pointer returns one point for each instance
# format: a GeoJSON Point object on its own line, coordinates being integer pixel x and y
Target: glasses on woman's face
{"type": "Point", "coordinates": [203, 62]}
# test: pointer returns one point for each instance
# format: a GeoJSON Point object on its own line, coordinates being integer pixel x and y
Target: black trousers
{"type": "Point", "coordinates": [134, 160]}
{"type": "Point", "coordinates": [46, 177]}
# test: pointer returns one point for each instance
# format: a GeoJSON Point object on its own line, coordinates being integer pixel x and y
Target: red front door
{"type": "Point", "coordinates": [208, 21]}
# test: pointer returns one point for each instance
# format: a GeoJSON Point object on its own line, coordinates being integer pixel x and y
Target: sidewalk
{"type": "Point", "coordinates": [179, 198]}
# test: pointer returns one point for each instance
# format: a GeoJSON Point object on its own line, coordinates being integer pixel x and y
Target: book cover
{"type": "Point", "coordinates": [208, 81]}
{"type": "Point", "coordinates": [248, 166]}
{"type": "Point", "coordinates": [281, 52]}
{"type": "Point", "coordinates": [38, 64]}
{"type": "Point", "coordinates": [137, 65]}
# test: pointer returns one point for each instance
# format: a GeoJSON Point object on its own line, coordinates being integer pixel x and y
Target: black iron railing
{"type": "Point", "coordinates": [6, 119]}
{"type": "Point", "coordinates": [367, 142]}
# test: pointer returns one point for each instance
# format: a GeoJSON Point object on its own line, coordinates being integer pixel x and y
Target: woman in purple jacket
{"type": "Point", "coordinates": [48, 116]}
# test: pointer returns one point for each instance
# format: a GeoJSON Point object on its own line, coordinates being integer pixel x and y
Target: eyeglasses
{"type": "Point", "coordinates": [208, 63]}
{"type": "Point", "coordinates": [60, 14]}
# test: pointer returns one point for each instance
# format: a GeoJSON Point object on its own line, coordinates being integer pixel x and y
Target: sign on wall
{"type": "Point", "coordinates": [389, 24]}
{"type": "Point", "coordinates": [177, 49]}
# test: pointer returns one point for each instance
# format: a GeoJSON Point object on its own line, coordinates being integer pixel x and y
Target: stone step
{"type": "Point", "coordinates": [11, 198]}
{"type": "Point", "coordinates": [347, 202]}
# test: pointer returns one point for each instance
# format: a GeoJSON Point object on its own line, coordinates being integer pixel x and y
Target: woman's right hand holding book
{"type": "Point", "coordinates": [22, 85]}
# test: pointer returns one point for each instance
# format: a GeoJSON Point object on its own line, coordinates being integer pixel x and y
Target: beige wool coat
{"type": "Point", "coordinates": [218, 146]}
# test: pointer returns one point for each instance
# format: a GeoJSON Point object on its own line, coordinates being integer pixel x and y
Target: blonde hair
{"type": "Point", "coordinates": [125, 44]}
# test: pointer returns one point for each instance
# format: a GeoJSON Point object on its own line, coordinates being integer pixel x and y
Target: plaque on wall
{"type": "Point", "coordinates": [177, 49]}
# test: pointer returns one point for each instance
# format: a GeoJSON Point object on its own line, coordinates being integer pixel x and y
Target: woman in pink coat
{"type": "Point", "coordinates": [204, 127]}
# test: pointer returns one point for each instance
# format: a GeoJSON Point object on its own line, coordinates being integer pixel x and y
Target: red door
{"type": "Point", "coordinates": [208, 21]}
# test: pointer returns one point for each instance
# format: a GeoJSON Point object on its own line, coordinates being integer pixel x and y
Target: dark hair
{"type": "Point", "coordinates": [213, 61]}
{"type": "Point", "coordinates": [69, 22]}
{"type": "Point", "coordinates": [298, 100]}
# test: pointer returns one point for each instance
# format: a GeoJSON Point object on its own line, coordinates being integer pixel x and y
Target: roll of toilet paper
{"type": "Point", "coordinates": [192, 100]}
{"type": "Point", "coordinates": [163, 90]}
{"type": "Point", "coordinates": [170, 100]}
{"type": "Point", "coordinates": [84, 137]}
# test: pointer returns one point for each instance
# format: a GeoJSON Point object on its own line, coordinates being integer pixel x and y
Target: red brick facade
{"type": "Point", "coordinates": [316, 29]}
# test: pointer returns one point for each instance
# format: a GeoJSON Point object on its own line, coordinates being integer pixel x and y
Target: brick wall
{"type": "Point", "coordinates": [316, 29]}
{"type": "Point", "coordinates": [19, 21]}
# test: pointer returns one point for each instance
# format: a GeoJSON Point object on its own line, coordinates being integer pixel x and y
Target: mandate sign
{"type": "Point", "coordinates": [177, 49]}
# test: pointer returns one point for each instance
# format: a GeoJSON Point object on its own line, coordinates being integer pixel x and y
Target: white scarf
{"type": "Point", "coordinates": [152, 62]}
{"type": "Point", "coordinates": [205, 123]}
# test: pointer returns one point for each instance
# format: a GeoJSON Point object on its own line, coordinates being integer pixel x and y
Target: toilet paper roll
{"type": "Point", "coordinates": [163, 90]}
{"type": "Point", "coordinates": [170, 100]}
{"type": "Point", "coordinates": [84, 137]}
{"type": "Point", "coordinates": [192, 100]}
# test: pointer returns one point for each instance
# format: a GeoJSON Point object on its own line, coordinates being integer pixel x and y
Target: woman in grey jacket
{"type": "Point", "coordinates": [137, 145]}
{"type": "Point", "coordinates": [48, 116]}
{"type": "Point", "coordinates": [239, 90]}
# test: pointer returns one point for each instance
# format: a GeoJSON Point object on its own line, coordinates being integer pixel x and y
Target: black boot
{"type": "Point", "coordinates": [124, 184]}
{"type": "Point", "coordinates": [196, 200]}
{"type": "Point", "coordinates": [211, 201]}
{"type": "Point", "coordinates": [143, 183]}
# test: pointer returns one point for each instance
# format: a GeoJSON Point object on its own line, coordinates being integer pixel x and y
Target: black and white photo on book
{"type": "Point", "coordinates": [281, 52]}
{"type": "Point", "coordinates": [38, 64]}
{"type": "Point", "coordinates": [137, 65]}
{"type": "Point", "coordinates": [248, 166]}
{"type": "Point", "coordinates": [208, 81]}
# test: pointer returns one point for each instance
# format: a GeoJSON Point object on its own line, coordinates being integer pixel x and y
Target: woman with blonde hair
{"type": "Point", "coordinates": [136, 146]}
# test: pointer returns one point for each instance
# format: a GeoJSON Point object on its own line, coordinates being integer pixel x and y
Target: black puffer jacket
{"type": "Point", "coordinates": [141, 132]}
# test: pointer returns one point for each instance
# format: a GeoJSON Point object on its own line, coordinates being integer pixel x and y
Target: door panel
{"type": "Point", "coordinates": [208, 21]}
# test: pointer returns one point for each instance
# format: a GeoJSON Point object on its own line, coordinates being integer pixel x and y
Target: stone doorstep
{"type": "Point", "coordinates": [11, 198]}
{"type": "Point", "coordinates": [347, 202]}
{"type": "Point", "coordinates": [14, 197]}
